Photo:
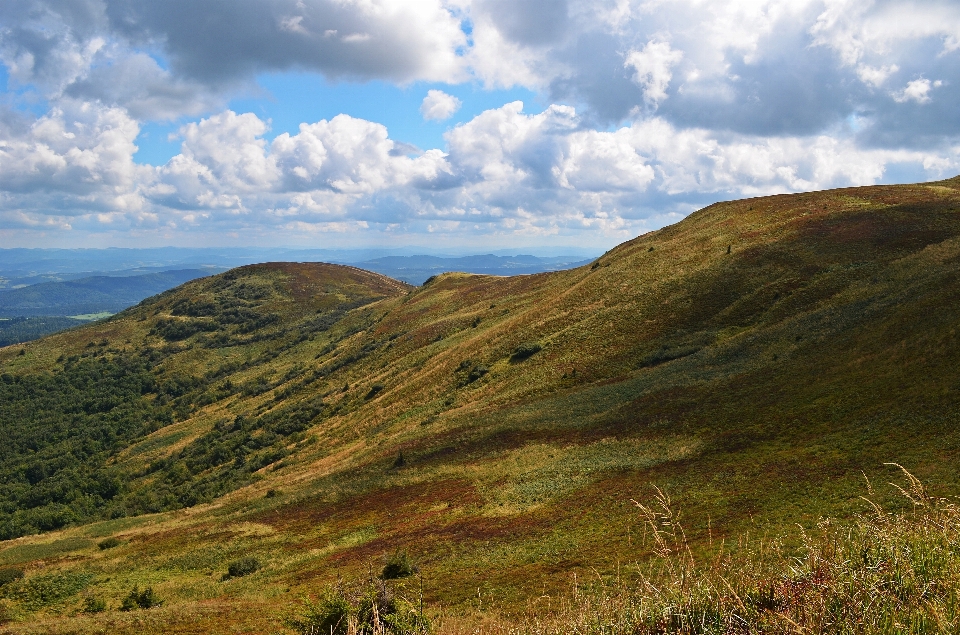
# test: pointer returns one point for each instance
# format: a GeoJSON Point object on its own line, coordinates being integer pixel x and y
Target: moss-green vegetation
{"type": "Point", "coordinates": [495, 429]}
{"type": "Point", "coordinates": [25, 329]}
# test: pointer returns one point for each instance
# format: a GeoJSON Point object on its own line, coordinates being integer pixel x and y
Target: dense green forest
{"type": "Point", "coordinates": [25, 329]}
{"type": "Point", "coordinates": [65, 428]}
{"type": "Point", "coordinates": [60, 430]}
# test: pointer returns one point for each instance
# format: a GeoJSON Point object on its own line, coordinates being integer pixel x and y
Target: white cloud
{"type": "Point", "coordinates": [917, 91]}
{"type": "Point", "coordinates": [875, 76]}
{"type": "Point", "coordinates": [438, 105]}
{"type": "Point", "coordinates": [652, 69]}
{"type": "Point", "coordinates": [80, 152]}
{"type": "Point", "coordinates": [677, 103]}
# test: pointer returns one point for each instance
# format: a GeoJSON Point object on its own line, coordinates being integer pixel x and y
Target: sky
{"type": "Point", "coordinates": [465, 125]}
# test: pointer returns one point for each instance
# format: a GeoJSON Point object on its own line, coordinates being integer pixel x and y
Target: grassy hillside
{"type": "Point", "coordinates": [755, 361]}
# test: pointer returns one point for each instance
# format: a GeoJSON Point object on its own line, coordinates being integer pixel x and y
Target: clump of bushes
{"type": "Point", "coordinates": [94, 604]}
{"type": "Point", "coordinates": [42, 590]}
{"type": "Point", "coordinates": [525, 350]}
{"type": "Point", "coordinates": [398, 565]}
{"type": "Point", "coordinates": [470, 372]}
{"type": "Point", "coordinates": [109, 543]}
{"type": "Point", "coordinates": [373, 608]}
{"type": "Point", "coordinates": [138, 599]}
{"type": "Point", "coordinates": [242, 567]}
{"type": "Point", "coordinates": [10, 574]}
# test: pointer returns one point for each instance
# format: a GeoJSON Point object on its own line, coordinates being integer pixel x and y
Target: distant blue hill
{"type": "Point", "coordinates": [96, 294]}
{"type": "Point", "coordinates": [416, 269]}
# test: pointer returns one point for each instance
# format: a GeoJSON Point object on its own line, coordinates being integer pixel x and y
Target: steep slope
{"type": "Point", "coordinates": [754, 360]}
{"type": "Point", "coordinates": [69, 426]}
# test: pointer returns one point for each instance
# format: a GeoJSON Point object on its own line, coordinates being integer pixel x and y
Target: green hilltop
{"type": "Point", "coordinates": [756, 361]}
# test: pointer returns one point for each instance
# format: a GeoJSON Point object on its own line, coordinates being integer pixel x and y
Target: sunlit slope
{"type": "Point", "coordinates": [754, 360]}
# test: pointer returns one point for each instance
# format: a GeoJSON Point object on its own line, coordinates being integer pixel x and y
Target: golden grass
{"type": "Point", "coordinates": [880, 572]}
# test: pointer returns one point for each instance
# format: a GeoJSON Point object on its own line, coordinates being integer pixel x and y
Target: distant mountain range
{"type": "Point", "coordinates": [96, 294]}
{"type": "Point", "coordinates": [48, 285]}
{"type": "Point", "coordinates": [35, 282]}
{"type": "Point", "coordinates": [417, 269]}
{"type": "Point", "coordinates": [20, 267]}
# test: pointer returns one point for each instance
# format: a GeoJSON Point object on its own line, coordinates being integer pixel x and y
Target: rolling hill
{"type": "Point", "coordinates": [755, 361]}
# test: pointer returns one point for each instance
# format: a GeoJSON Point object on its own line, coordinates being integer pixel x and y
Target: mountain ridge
{"type": "Point", "coordinates": [753, 360]}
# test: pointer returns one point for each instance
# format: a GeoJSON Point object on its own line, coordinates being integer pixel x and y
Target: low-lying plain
{"type": "Point", "coordinates": [760, 362]}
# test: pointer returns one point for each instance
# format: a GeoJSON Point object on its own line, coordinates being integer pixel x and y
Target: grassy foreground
{"type": "Point", "coordinates": [286, 426]}
{"type": "Point", "coordinates": [881, 572]}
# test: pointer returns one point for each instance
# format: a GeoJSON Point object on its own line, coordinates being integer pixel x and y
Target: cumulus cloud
{"type": "Point", "coordinates": [80, 152]}
{"type": "Point", "coordinates": [505, 172]}
{"type": "Point", "coordinates": [653, 109]}
{"type": "Point", "coordinates": [875, 76]}
{"type": "Point", "coordinates": [438, 105]}
{"type": "Point", "coordinates": [917, 91]}
{"type": "Point", "coordinates": [652, 69]}
{"type": "Point", "coordinates": [228, 39]}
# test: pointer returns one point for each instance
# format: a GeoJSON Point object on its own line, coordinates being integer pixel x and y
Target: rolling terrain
{"type": "Point", "coordinates": [755, 361]}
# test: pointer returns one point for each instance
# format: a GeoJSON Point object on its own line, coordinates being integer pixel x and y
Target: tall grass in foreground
{"type": "Point", "coordinates": [884, 573]}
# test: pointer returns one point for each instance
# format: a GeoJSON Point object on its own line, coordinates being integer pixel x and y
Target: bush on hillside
{"type": "Point", "coordinates": [138, 599]}
{"type": "Point", "coordinates": [10, 574]}
{"type": "Point", "coordinates": [242, 567]}
{"type": "Point", "coordinates": [109, 543]}
{"type": "Point", "coordinates": [398, 565]}
{"type": "Point", "coordinates": [94, 604]}
{"type": "Point", "coordinates": [525, 350]}
{"type": "Point", "coordinates": [374, 608]}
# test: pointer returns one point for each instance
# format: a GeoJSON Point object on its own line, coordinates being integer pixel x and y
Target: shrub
{"type": "Point", "coordinates": [242, 567]}
{"type": "Point", "coordinates": [369, 609]}
{"type": "Point", "coordinates": [10, 574]}
{"type": "Point", "coordinates": [8, 611]}
{"type": "Point", "coordinates": [379, 609]}
{"type": "Point", "coordinates": [525, 350]}
{"type": "Point", "coordinates": [398, 565]}
{"type": "Point", "coordinates": [374, 391]}
{"type": "Point", "coordinates": [476, 373]}
{"type": "Point", "coordinates": [138, 599]}
{"type": "Point", "coordinates": [109, 543]}
{"type": "Point", "coordinates": [332, 614]}
{"type": "Point", "coordinates": [94, 604]}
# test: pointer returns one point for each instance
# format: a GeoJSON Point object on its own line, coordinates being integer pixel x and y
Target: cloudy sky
{"type": "Point", "coordinates": [466, 124]}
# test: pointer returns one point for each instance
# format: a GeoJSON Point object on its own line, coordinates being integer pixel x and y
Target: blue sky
{"type": "Point", "coordinates": [359, 123]}
{"type": "Point", "coordinates": [288, 99]}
